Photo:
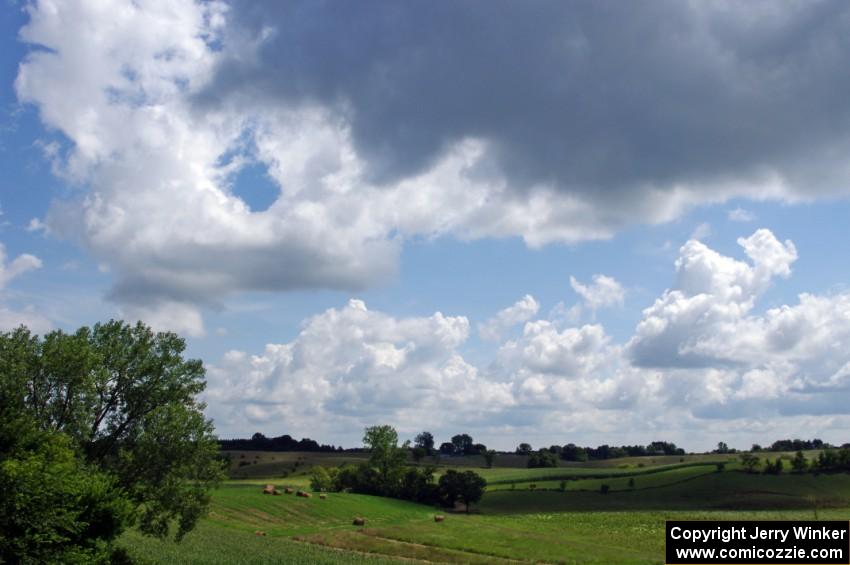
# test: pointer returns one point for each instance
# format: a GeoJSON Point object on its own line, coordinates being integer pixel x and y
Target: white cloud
{"type": "Point", "coordinates": [740, 215]}
{"type": "Point", "coordinates": [350, 367]}
{"type": "Point", "coordinates": [701, 367]}
{"type": "Point", "coordinates": [20, 265]}
{"type": "Point", "coordinates": [713, 294]}
{"type": "Point", "coordinates": [522, 310]}
{"type": "Point", "coordinates": [604, 291]}
{"type": "Point", "coordinates": [28, 316]}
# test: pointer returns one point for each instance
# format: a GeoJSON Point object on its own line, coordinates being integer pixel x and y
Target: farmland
{"type": "Point", "coordinates": [513, 522]}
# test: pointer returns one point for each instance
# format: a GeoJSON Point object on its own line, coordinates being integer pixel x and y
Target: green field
{"type": "Point", "coordinates": [512, 522]}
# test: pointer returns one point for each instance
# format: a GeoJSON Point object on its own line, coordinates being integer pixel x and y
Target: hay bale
{"type": "Point", "coordinates": [259, 533]}
{"type": "Point", "coordinates": [323, 496]}
{"type": "Point", "coordinates": [359, 521]}
{"type": "Point", "coordinates": [439, 518]}
{"type": "Point", "coordinates": [304, 494]}
{"type": "Point", "coordinates": [269, 489]}
{"type": "Point", "coordinates": [289, 490]}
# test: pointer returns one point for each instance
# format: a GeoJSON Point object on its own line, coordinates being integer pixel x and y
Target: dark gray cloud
{"type": "Point", "coordinates": [584, 95]}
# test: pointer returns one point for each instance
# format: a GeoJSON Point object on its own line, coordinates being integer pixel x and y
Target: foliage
{"type": "Point", "coordinates": [831, 460]}
{"type": "Point", "coordinates": [385, 455]}
{"type": "Point", "coordinates": [425, 440]}
{"type": "Point", "coordinates": [799, 463]}
{"type": "Point", "coordinates": [466, 486]}
{"type": "Point", "coordinates": [418, 453]}
{"type": "Point", "coordinates": [773, 468]}
{"type": "Point", "coordinates": [447, 448]}
{"type": "Point", "coordinates": [523, 449]}
{"type": "Point", "coordinates": [462, 443]}
{"type": "Point", "coordinates": [542, 458]}
{"type": "Point", "coordinates": [720, 466]}
{"type": "Point", "coordinates": [749, 461]}
{"type": "Point", "coordinates": [489, 456]}
{"type": "Point", "coordinates": [259, 442]}
{"type": "Point", "coordinates": [324, 478]}
{"type": "Point", "coordinates": [127, 400]}
{"type": "Point", "coordinates": [55, 508]}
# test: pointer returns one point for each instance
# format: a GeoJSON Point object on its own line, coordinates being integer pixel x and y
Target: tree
{"type": "Point", "coordinates": [571, 452]}
{"type": "Point", "coordinates": [127, 399]}
{"type": "Point", "coordinates": [722, 448]}
{"type": "Point", "coordinates": [489, 456]}
{"type": "Point", "coordinates": [542, 458]}
{"type": "Point", "coordinates": [463, 444]}
{"type": "Point", "coordinates": [385, 455]}
{"type": "Point", "coordinates": [523, 449]}
{"type": "Point", "coordinates": [447, 448]}
{"type": "Point", "coordinates": [799, 463]}
{"type": "Point", "coordinates": [425, 440]}
{"type": "Point", "coordinates": [749, 461]}
{"type": "Point", "coordinates": [467, 486]}
{"type": "Point", "coordinates": [418, 453]}
{"type": "Point", "coordinates": [478, 449]}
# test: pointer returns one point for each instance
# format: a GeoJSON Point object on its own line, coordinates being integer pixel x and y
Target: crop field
{"type": "Point", "coordinates": [513, 522]}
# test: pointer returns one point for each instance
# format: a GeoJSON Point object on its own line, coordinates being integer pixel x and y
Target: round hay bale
{"type": "Point", "coordinates": [439, 518]}
{"type": "Point", "coordinates": [359, 521]}
{"type": "Point", "coordinates": [289, 490]}
{"type": "Point", "coordinates": [323, 496]}
{"type": "Point", "coordinates": [269, 489]}
{"type": "Point", "coordinates": [259, 533]}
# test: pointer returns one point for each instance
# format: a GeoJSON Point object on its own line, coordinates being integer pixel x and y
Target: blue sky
{"type": "Point", "coordinates": [527, 227]}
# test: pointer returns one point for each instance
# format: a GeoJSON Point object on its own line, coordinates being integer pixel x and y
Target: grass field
{"type": "Point", "coordinates": [512, 523]}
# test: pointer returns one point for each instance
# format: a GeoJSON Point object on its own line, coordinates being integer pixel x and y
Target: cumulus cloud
{"type": "Point", "coordinates": [11, 318]}
{"type": "Point", "coordinates": [604, 291]}
{"type": "Point", "coordinates": [523, 309]}
{"type": "Point", "coordinates": [376, 126]}
{"type": "Point", "coordinates": [712, 294]}
{"type": "Point", "coordinates": [350, 367]}
{"type": "Point", "coordinates": [702, 362]}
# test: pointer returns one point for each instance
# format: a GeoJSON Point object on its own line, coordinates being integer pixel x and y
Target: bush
{"type": "Point", "coordinates": [604, 489]}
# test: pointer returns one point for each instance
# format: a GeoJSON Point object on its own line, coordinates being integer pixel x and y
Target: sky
{"type": "Point", "coordinates": [556, 222]}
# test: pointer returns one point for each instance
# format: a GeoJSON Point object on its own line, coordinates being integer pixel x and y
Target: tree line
{"type": "Point", "coordinates": [259, 442]}
{"type": "Point", "coordinates": [386, 473]}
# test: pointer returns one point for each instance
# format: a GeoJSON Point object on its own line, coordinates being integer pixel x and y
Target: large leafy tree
{"type": "Point", "coordinates": [128, 401]}
{"type": "Point", "coordinates": [386, 457]}
{"type": "Point", "coordinates": [468, 486]}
